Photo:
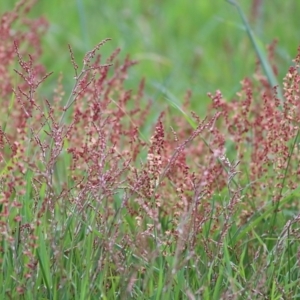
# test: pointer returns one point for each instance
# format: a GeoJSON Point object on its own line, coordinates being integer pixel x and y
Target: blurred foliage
{"type": "Point", "coordinates": [180, 45]}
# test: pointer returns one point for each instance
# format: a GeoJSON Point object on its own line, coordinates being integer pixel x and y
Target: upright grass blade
{"type": "Point", "coordinates": [11, 105]}
{"type": "Point", "coordinates": [218, 286]}
{"type": "Point", "coordinates": [259, 49]}
{"type": "Point", "coordinates": [43, 256]}
{"type": "Point", "coordinates": [8, 163]}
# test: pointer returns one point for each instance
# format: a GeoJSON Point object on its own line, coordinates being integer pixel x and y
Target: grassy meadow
{"type": "Point", "coordinates": [179, 45]}
{"type": "Point", "coordinates": [149, 149]}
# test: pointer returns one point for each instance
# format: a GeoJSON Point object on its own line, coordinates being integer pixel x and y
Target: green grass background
{"type": "Point", "coordinates": [198, 45]}
{"type": "Point", "coordinates": [181, 44]}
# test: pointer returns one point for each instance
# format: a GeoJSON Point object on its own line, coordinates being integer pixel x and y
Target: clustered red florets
{"type": "Point", "coordinates": [91, 152]}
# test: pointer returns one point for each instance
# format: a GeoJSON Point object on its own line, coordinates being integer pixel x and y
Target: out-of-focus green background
{"type": "Point", "coordinates": [180, 44]}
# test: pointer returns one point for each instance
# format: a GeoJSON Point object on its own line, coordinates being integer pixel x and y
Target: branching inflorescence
{"type": "Point", "coordinates": [89, 156]}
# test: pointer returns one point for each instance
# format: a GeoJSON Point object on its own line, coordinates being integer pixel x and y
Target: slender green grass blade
{"type": "Point", "coordinates": [259, 49]}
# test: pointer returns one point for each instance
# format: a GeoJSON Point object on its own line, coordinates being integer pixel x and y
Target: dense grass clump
{"type": "Point", "coordinates": [92, 208]}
